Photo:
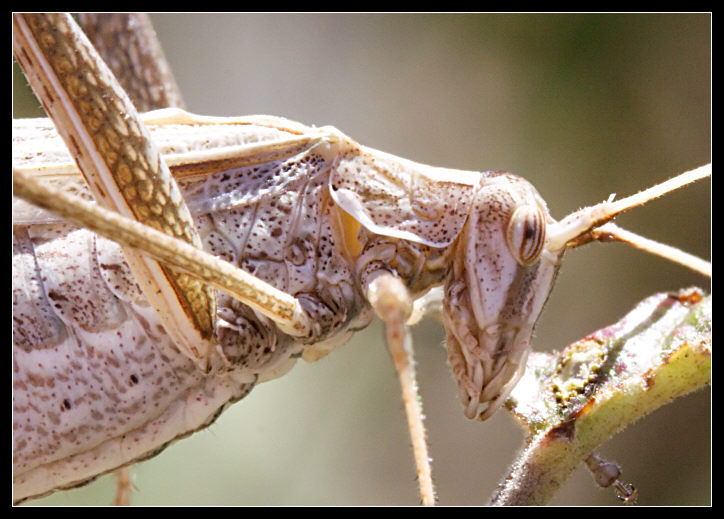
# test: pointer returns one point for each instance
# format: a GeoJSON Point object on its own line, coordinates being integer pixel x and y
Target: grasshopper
{"type": "Point", "coordinates": [438, 339]}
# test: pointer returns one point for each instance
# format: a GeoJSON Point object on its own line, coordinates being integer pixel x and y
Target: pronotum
{"type": "Point", "coordinates": [410, 69]}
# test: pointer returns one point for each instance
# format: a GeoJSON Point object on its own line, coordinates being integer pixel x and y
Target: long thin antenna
{"type": "Point", "coordinates": [612, 232]}
{"type": "Point", "coordinates": [587, 224]}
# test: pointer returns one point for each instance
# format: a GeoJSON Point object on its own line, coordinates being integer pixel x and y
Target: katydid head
{"type": "Point", "coordinates": [499, 281]}
{"type": "Point", "coordinates": [503, 270]}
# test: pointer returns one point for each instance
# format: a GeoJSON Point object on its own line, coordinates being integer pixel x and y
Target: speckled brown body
{"type": "Point", "coordinates": [97, 382]}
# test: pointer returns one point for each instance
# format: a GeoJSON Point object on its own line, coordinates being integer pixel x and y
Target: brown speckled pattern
{"type": "Point", "coordinates": [400, 200]}
{"type": "Point", "coordinates": [104, 366]}
{"type": "Point", "coordinates": [92, 364]}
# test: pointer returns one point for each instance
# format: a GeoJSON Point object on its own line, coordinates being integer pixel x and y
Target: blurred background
{"type": "Point", "coordinates": [582, 106]}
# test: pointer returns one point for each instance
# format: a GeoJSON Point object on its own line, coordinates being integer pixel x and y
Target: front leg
{"type": "Point", "coordinates": [391, 301]}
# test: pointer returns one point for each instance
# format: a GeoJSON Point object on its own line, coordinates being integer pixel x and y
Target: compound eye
{"type": "Point", "coordinates": [526, 234]}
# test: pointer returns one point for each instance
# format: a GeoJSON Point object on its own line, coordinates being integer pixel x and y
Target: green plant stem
{"type": "Point", "coordinates": [574, 401]}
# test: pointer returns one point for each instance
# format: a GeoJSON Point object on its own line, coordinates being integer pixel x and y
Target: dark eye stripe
{"type": "Point", "coordinates": [526, 234]}
{"type": "Point", "coordinates": [532, 237]}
